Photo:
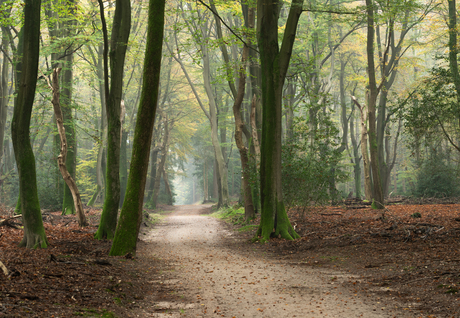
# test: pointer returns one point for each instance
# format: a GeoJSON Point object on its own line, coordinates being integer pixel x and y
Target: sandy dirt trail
{"type": "Point", "coordinates": [218, 275]}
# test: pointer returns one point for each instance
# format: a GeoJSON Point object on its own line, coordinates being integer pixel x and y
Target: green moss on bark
{"type": "Point", "coordinates": [131, 213]}
{"type": "Point", "coordinates": [27, 70]}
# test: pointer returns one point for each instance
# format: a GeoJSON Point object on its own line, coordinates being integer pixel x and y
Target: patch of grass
{"type": "Point", "coordinates": [153, 218]}
{"type": "Point", "coordinates": [247, 228]}
{"type": "Point", "coordinates": [232, 215]}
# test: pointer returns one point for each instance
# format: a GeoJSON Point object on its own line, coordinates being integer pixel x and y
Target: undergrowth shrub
{"type": "Point", "coordinates": [310, 171]}
{"type": "Point", "coordinates": [437, 179]}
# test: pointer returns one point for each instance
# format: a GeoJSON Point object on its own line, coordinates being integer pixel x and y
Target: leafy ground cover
{"type": "Point", "coordinates": [406, 253]}
{"type": "Point", "coordinates": [74, 276]}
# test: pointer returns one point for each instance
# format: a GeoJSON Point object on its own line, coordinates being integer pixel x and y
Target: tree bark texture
{"type": "Point", "coordinates": [162, 163]}
{"type": "Point", "coordinates": [453, 49]}
{"type": "Point", "coordinates": [131, 213]}
{"type": "Point", "coordinates": [70, 182]}
{"type": "Point", "coordinates": [364, 152]}
{"type": "Point", "coordinates": [249, 212]}
{"type": "Point", "coordinates": [119, 39]}
{"type": "Point", "coordinates": [4, 70]}
{"type": "Point", "coordinates": [274, 63]}
{"type": "Point", "coordinates": [377, 196]}
{"type": "Point", "coordinates": [218, 152]}
{"type": "Point", "coordinates": [356, 160]}
{"type": "Point", "coordinates": [27, 70]}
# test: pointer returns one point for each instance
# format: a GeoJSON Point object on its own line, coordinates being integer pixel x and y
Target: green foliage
{"type": "Point", "coordinates": [416, 215]}
{"type": "Point", "coordinates": [233, 215]}
{"type": "Point", "coordinates": [310, 170]}
{"type": "Point", "coordinates": [434, 110]}
{"type": "Point", "coordinates": [436, 179]}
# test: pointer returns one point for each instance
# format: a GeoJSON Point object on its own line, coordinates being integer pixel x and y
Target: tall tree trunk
{"type": "Point", "coordinates": [153, 171]}
{"type": "Point", "coordinates": [70, 182]}
{"type": "Point", "coordinates": [218, 151]}
{"type": "Point", "coordinates": [274, 64]}
{"type": "Point", "coordinates": [249, 212]}
{"type": "Point", "coordinates": [68, 206]}
{"type": "Point", "coordinates": [167, 187]}
{"type": "Point", "coordinates": [377, 196]}
{"type": "Point", "coordinates": [356, 160]}
{"type": "Point", "coordinates": [4, 97]}
{"type": "Point", "coordinates": [131, 213]}
{"type": "Point", "coordinates": [119, 39]}
{"type": "Point", "coordinates": [27, 70]}
{"type": "Point", "coordinates": [364, 152]}
{"type": "Point", "coordinates": [453, 50]}
{"type": "Point", "coordinates": [123, 166]}
{"type": "Point", "coordinates": [161, 165]}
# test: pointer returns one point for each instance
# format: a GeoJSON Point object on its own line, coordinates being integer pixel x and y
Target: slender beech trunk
{"type": "Point", "coordinates": [377, 196]}
{"type": "Point", "coordinates": [356, 159]}
{"type": "Point", "coordinates": [274, 64]}
{"type": "Point", "coordinates": [103, 128]}
{"type": "Point", "coordinates": [131, 213]}
{"type": "Point", "coordinates": [118, 45]}
{"type": "Point", "coordinates": [364, 152]}
{"type": "Point", "coordinates": [161, 165]}
{"type": "Point", "coordinates": [27, 70]}
{"type": "Point", "coordinates": [70, 182]}
{"type": "Point", "coordinates": [68, 205]}
{"type": "Point", "coordinates": [453, 50]}
{"type": "Point", "coordinates": [249, 212]}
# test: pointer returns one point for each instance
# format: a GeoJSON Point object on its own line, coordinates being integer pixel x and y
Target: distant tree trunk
{"type": "Point", "coordinates": [98, 191]}
{"type": "Point", "coordinates": [119, 39]}
{"type": "Point", "coordinates": [364, 152]}
{"type": "Point", "coordinates": [4, 98]}
{"type": "Point", "coordinates": [373, 92]}
{"type": "Point", "coordinates": [249, 212]}
{"type": "Point", "coordinates": [218, 151]}
{"type": "Point", "coordinates": [153, 171]}
{"type": "Point", "coordinates": [100, 166]}
{"type": "Point", "coordinates": [70, 182]}
{"type": "Point", "coordinates": [356, 159]}
{"type": "Point", "coordinates": [167, 187]}
{"type": "Point", "coordinates": [68, 206]}
{"type": "Point", "coordinates": [161, 165]}
{"type": "Point", "coordinates": [123, 166]}
{"type": "Point", "coordinates": [27, 70]}
{"type": "Point", "coordinates": [131, 213]}
{"type": "Point", "coordinates": [453, 49]}
{"type": "Point", "coordinates": [274, 64]}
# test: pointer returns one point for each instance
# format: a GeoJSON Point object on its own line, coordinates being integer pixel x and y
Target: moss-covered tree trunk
{"type": "Point", "coordinates": [274, 64]}
{"type": "Point", "coordinates": [131, 213]}
{"type": "Point", "coordinates": [123, 166]}
{"type": "Point", "coordinates": [68, 205]}
{"type": "Point", "coordinates": [118, 45]}
{"type": "Point", "coordinates": [27, 70]}
{"type": "Point", "coordinates": [3, 95]}
{"type": "Point", "coordinates": [453, 50]}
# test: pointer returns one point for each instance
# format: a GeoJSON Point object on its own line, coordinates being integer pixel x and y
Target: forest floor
{"type": "Point", "coordinates": [348, 263]}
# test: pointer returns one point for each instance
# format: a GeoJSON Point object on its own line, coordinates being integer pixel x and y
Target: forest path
{"type": "Point", "coordinates": [213, 273]}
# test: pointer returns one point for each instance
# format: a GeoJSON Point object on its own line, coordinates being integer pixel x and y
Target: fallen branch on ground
{"type": "Point", "coordinates": [5, 221]}
{"type": "Point", "coordinates": [4, 269]}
